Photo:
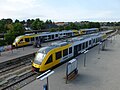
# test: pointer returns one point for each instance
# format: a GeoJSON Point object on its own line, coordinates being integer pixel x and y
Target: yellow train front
{"type": "Point", "coordinates": [47, 57]}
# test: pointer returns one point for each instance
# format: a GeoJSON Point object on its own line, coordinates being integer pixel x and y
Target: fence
{"type": "Point", "coordinates": [5, 48]}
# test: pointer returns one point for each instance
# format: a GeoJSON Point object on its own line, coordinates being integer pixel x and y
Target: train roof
{"type": "Point", "coordinates": [46, 49]}
{"type": "Point", "coordinates": [90, 29]}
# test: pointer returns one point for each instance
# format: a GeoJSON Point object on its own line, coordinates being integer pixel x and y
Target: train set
{"type": "Point", "coordinates": [28, 39]}
{"type": "Point", "coordinates": [50, 56]}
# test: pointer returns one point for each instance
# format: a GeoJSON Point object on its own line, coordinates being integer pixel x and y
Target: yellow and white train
{"type": "Point", "coordinates": [24, 40]}
{"type": "Point", "coordinates": [50, 56]}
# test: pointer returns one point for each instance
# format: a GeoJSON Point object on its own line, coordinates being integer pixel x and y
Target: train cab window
{"type": "Point", "coordinates": [70, 50]}
{"type": "Point", "coordinates": [49, 60]}
{"type": "Point", "coordinates": [21, 41]}
{"type": "Point", "coordinates": [58, 55]}
{"type": "Point", "coordinates": [65, 52]}
{"type": "Point", "coordinates": [26, 39]}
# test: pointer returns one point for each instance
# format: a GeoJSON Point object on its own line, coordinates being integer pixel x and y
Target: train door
{"type": "Point", "coordinates": [32, 40]}
{"type": "Point", "coordinates": [49, 37]}
{"type": "Point", "coordinates": [44, 38]}
{"type": "Point", "coordinates": [83, 46]}
{"type": "Point", "coordinates": [70, 52]}
{"type": "Point", "coordinates": [89, 43]}
{"type": "Point", "coordinates": [49, 62]}
{"type": "Point", "coordinates": [36, 38]}
{"type": "Point", "coordinates": [20, 43]}
{"type": "Point", "coordinates": [76, 50]}
{"type": "Point", "coordinates": [65, 54]}
{"type": "Point", "coordinates": [56, 36]}
{"type": "Point", "coordinates": [86, 44]}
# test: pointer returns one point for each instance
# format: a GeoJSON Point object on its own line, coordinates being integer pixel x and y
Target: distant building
{"type": "Point", "coordinates": [61, 23]}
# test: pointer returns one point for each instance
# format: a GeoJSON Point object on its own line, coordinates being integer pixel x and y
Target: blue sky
{"type": "Point", "coordinates": [61, 10]}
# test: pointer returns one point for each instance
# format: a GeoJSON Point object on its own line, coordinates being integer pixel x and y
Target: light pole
{"type": "Point", "coordinates": [99, 47]}
{"type": "Point", "coordinates": [85, 52]}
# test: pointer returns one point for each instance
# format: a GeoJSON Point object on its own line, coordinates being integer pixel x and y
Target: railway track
{"type": "Point", "coordinates": [16, 73]}
{"type": "Point", "coordinates": [13, 64]}
{"type": "Point", "coordinates": [19, 81]}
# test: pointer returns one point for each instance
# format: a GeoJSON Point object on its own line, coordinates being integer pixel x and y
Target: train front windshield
{"type": "Point", "coordinates": [16, 40]}
{"type": "Point", "coordinates": [39, 58]}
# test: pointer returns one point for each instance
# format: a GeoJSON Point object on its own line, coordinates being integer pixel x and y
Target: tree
{"type": "Point", "coordinates": [9, 37]}
{"type": "Point", "coordinates": [9, 21]}
{"type": "Point", "coordinates": [67, 27]}
{"type": "Point", "coordinates": [61, 28]}
{"type": "Point", "coordinates": [2, 29]}
{"type": "Point", "coordinates": [53, 29]}
{"type": "Point", "coordinates": [8, 27]}
{"type": "Point", "coordinates": [18, 29]}
{"type": "Point", "coordinates": [22, 22]}
{"type": "Point", "coordinates": [37, 25]}
{"type": "Point", "coordinates": [17, 21]}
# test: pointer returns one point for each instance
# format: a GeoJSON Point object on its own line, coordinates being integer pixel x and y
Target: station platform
{"type": "Point", "coordinates": [101, 71]}
{"type": "Point", "coordinates": [15, 53]}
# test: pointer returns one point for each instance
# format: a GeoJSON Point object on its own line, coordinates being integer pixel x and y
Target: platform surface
{"type": "Point", "coordinates": [102, 71]}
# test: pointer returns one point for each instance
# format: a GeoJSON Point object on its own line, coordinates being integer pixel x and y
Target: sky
{"type": "Point", "coordinates": [61, 10]}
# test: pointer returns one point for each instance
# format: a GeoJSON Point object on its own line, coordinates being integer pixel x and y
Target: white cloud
{"type": "Point", "coordinates": [24, 9]}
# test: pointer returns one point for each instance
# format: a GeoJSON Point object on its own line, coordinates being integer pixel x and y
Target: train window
{"type": "Point", "coordinates": [79, 47]}
{"type": "Point", "coordinates": [65, 52]}
{"type": "Point", "coordinates": [44, 37]}
{"type": "Point", "coordinates": [32, 39]}
{"type": "Point", "coordinates": [56, 35]}
{"type": "Point", "coordinates": [58, 55]}
{"type": "Point", "coordinates": [86, 44]}
{"type": "Point", "coordinates": [52, 36]}
{"type": "Point", "coordinates": [70, 50]}
{"type": "Point", "coordinates": [36, 38]}
{"type": "Point", "coordinates": [83, 46]}
{"type": "Point", "coordinates": [49, 60]}
{"type": "Point", "coordinates": [90, 42]}
{"type": "Point", "coordinates": [94, 41]}
{"type": "Point", "coordinates": [49, 36]}
{"type": "Point", "coordinates": [26, 39]}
